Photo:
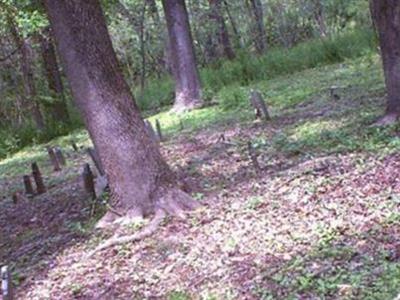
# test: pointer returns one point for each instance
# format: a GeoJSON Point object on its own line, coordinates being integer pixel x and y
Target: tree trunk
{"type": "Point", "coordinates": [141, 182]}
{"type": "Point", "coordinates": [260, 37]}
{"type": "Point", "coordinates": [386, 15]}
{"type": "Point", "coordinates": [187, 81]}
{"type": "Point", "coordinates": [320, 18]}
{"type": "Point", "coordinates": [138, 26]}
{"type": "Point", "coordinates": [221, 32]}
{"type": "Point", "coordinates": [238, 38]}
{"type": "Point", "coordinates": [25, 51]}
{"type": "Point", "coordinates": [162, 36]}
{"type": "Point", "coordinates": [50, 64]}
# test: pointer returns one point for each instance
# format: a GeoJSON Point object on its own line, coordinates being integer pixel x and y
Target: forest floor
{"type": "Point", "coordinates": [321, 220]}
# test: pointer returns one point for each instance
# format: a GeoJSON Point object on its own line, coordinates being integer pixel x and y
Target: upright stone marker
{"type": "Point", "coordinates": [53, 159]}
{"type": "Point", "coordinates": [96, 160]}
{"type": "Point", "coordinates": [151, 131]}
{"type": "Point", "coordinates": [60, 156]}
{"type": "Point", "coordinates": [28, 185]}
{"type": "Point", "coordinates": [258, 103]}
{"type": "Point", "coordinates": [6, 284]}
{"type": "Point", "coordinates": [37, 176]}
{"type": "Point", "coordinates": [253, 157]}
{"type": "Point", "coordinates": [88, 181]}
{"type": "Point", "coordinates": [159, 132]}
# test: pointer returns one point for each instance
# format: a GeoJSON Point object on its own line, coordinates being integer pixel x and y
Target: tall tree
{"type": "Point", "coordinates": [187, 81]}
{"type": "Point", "coordinates": [260, 36]}
{"type": "Point", "coordinates": [53, 75]}
{"type": "Point", "coordinates": [386, 16]}
{"type": "Point", "coordinates": [221, 32]}
{"type": "Point", "coordinates": [141, 182]}
{"type": "Point", "coordinates": [25, 52]}
{"type": "Point", "coordinates": [319, 16]}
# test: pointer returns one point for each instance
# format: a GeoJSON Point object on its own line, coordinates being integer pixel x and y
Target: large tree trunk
{"type": "Point", "coordinates": [26, 54]}
{"type": "Point", "coordinates": [386, 15]}
{"type": "Point", "coordinates": [260, 36]}
{"type": "Point", "coordinates": [54, 81]}
{"type": "Point", "coordinates": [141, 182]}
{"type": "Point", "coordinates": [187, 81]}
{"type": "Point", "coordinates": [224, 43]}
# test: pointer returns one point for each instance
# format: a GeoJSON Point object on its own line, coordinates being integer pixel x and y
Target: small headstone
{"type": "Point", "coordinates": [88, 181]}
{"type": "Point", "coordinates": [333, 91]}
{"type": "Point", "coordinates": [159, 132]}
{"type": "Point", "coordinates": [74, 146]}
{"type": "Point", "coordinates": [53, 159]}
{"type": "Point", "coordinates": [96, 160]}
{"type": "Point", "coordinates": [60, 156]}
{"type": "Point", "coordinates": [6, 284]}
{"type": "Point", "coordinates": [253, 157]}
{"type": "Point", "coordinates": [28, 185]}
{"type": "Point", "coordinates": [151, 132]}
{"type": "Point", "coordinates": [37, 176]}
{"type": "Point", "coordinates": [15, 197]}
{"type": "Point", "coordinates": [258, 103]}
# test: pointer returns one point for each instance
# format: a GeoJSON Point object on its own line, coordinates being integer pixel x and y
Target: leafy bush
{"type": "Point", "coordinates": [232, 97]}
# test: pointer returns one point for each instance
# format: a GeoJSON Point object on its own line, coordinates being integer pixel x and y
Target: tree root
{"type": "Point", "coordinates": [387, 120]}
{"type": "Point", "coordinates": [145, 232]}
{"type": "Point", "coordinates": [173, 202]}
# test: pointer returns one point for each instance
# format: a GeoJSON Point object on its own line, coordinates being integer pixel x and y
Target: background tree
{"type": "Point", "coordinates": [141, 182]}
{"type": "Point", "coordinates": [386, 15]}
{"type": "Point", "coordinates": [220, 31]}
{"type": "Point", "coordinates": [59, 107]}
{"type": "Point", "coordinates": [187, 81]}
{"type": "Point", "coordinates": [260, 38]}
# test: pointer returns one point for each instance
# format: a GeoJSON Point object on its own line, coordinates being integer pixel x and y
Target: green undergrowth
{"type": "Point", "coordinates": [248, 68]}
{"type": "Point", "coordinates": [225, 81]}
{"type": "Point", "coordinates": [305, 119]}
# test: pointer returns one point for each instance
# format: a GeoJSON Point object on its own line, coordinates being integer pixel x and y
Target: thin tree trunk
{"type": "Point", "coordinates": [221, 31]}
{"type": "Point", "coordinates": [320, 18]}
{"type": "Point", "coordinates": [59, 108]}
{"type": "Point", "coordinates": [386, 15]}
{"type": "Point", "coordinates": [234, 26]}
{"type": "Point", "coordinates": [187, 81]}
{"type": "Point", "coordinates": [25, 51]}
{"type": "Point", "coordinates": [260, 36]}
{"type": "Point", "coordinates": [138, 26]}
{"type": "Point", "coordinates": [141, 182]}
{"type": "Point", "coordinates": [163, 35]}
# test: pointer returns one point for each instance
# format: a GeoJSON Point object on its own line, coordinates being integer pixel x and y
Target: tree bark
{"type": "Point", "coordinates": [138, 26]}
{"type": "Point", "coordinates": [162, 36]}
{"type": "Point", "coordinates": [25, 52]}
{"type": "Point", "coordinates": [141, 182]}
{"type": "Point", "coordinates": [386, 16]}
{"type": "Point", "coordinates": [221, 32]}
{"type": "Point", "coordinates": [320, 18]}
{"type": "Point", "coordinates": [260, 36]}
{"type": "Point", "coordinates": [187, 81]}
{"type": "Point", "coordinates": [53, 75]}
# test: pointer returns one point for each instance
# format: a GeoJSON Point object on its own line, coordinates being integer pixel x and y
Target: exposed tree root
{"type": "Point", "coordinates": [387, 120]}
{"type": "Point", "coordinates": [145, 232]}
{"type": "Point", "coordinates": [174, 203]}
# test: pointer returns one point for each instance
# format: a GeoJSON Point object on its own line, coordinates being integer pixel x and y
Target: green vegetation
{"type": "Point", "coordinates": [227, 83]}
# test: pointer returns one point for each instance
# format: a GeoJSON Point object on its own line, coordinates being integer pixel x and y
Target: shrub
{"type": "Point", "coordinates": [232, 97]}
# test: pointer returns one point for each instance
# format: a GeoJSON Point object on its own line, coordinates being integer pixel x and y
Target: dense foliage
{"type": "Point", "coordinates": [316, 32]}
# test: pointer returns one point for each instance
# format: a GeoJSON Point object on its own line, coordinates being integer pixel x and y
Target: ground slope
{"type": "Point", "coordinates": [321, 219]}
